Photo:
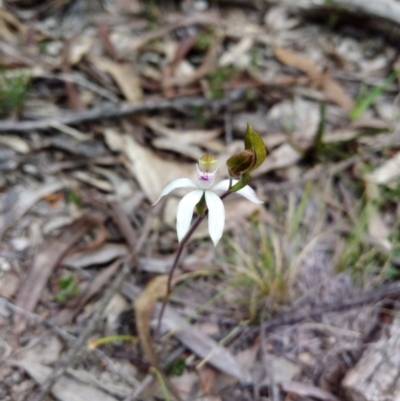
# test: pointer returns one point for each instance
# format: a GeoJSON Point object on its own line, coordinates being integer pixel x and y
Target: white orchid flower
{"type": "Point", "coordinates": [206, 170]}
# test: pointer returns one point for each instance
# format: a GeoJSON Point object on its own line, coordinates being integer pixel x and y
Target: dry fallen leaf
{"type": "Point", "coordinates": [144, 306]}
{"type": "Point", "coordinates": [90, 179]}
{"type": "Point", "coordinates": [389, 171]}
{"type": "Point", "coordinates": [238, 54]}
{"type": "Point", "coordinates": [297, 60]}
{"type": "Point", "coordinates": [194, 152]}
{"type": "Point", "coordinates": [152, 172]}
{"type": "Point", "coordinates": [86, 258]}
{"type": "Point", "coordinates": [79, 48]}
{"type": "Point", "coordinates": [160, 265]}
{"type": "Point", "coordinates": [193, 136]}
{"type": "Point", "coordinates": [123, 75]}
{"type": "Point", "coordinates": [332, 89]}
{"type": "Point", "coordinates": [15, 142]}
{"type": "Point", "coordinates": [104, 381]}
{"type": "Point", "coordinates": [64, 389]}
{"type": "Point", "coordinates": [113, 139]}
{"type": "Point", "coordinates": [45, 261]}
{"type": "Point", "coordinates": [337, 94]}
{"type": "Point", "coordinates": [307, 390]}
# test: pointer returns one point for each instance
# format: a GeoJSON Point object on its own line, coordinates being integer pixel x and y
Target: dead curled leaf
{"type": "Point", "coordinates": [334, 92]}
{"type": "Point", "coordinates": [144, 306]}
{"type": "Point", "coordinates": [46, 260]}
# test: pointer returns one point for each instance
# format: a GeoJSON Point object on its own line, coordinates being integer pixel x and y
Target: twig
{"type": "Point", "coordinates": [38, 319]}
{"type": "Point", "coordinates": [296, 316]}
{"type": "Point", "coordinates": [386, 9]}
{"type": "Point", "coordinates": [113, 111]}
{"type": "Point", "coordinates": [84, 336]}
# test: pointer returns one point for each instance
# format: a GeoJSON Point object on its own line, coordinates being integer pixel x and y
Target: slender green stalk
{"type": "Point", "coordinates": [162, 383]}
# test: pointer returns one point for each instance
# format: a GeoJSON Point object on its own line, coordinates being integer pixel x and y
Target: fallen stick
{"type": "Point", "coordinates": [386, 9]}
{"type": "Point", "coordinates": [114, 111]}
{"type": "Point", "coordinates": [375, 295]}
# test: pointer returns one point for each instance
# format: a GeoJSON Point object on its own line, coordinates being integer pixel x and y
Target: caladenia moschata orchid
{"type": "Point", "coordinates": [204, 198]}
{"type": "Point", "coordinates": [204, 195]}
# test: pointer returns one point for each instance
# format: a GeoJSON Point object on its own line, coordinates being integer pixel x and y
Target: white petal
{"type": "Point", "coordinates": [223, 185]}
{"type": "Point", "coordinates": [216, 216]}
{"type": "Point", "coordinates": [185, 212]}
{"type": "Point", "coordinates": [247, 191]}
{"type": "Point", "coordinates": [179, 183]}
{"type": "Point", "coordinates": [249, 194]}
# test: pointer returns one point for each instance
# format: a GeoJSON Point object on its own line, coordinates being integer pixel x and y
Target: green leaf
{"type": "Point", "coordinates": [251, 158]}
{"type": "Point", "coordinates": [365, 102]}
{"type": "Point", "coordinates": [176, 368]}
{"type": "Point", "coordinates": [254, 142]}
{"type": "Point", "coordinates": [73, 197]}
{"type": "Point", "coordinates": [65, 282]}
{"type": "Point", "coordinates": [68, 289]}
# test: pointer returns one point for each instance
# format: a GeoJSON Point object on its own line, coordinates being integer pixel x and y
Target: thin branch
{"type": "Point", "coordinates": [386, 9]}
{"type": "Point", "coordinates": [114, 111]}
{"type": "Point", "coordinates": [385, 291]}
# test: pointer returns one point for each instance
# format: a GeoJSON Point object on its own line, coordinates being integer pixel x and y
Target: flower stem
{"type": "Point", "coordinates": [182, 244]}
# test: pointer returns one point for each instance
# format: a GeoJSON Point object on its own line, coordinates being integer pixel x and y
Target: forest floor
{"type": "Point", "coordinates": [102, 104]}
